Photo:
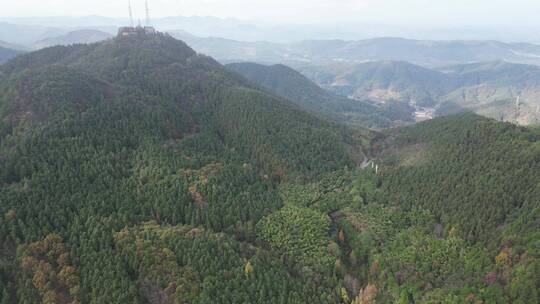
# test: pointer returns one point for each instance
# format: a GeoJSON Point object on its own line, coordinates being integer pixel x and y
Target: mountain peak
{"type": "Point", "coordinates": [140, 53]}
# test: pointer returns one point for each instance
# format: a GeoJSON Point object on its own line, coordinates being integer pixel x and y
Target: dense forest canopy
{"type": "Point", "coordinates": [138, 171]}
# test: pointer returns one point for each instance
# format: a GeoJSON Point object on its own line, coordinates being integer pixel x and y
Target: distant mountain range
{"type": "Point", "coordinates": [495, 89]}
{"type": "Point", "coordinates": [13, 46]}
{"type": "Point", "coordinates": [278, 31]}
{"type": "Point", "coordinates": [244, 41]}
{"type": "Point", "coordinates": [75, 37]}
{"type": "Point", "coordinates": [424, 53]}
{"type": "Point", "coordinates": [27, 35]}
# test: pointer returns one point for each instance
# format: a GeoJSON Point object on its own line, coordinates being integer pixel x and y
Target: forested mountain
{"type": "Point", "coordinates": [137, 171]}
{"type": "Point", "coordinates": [74, 37]}
{"type": "Point", "coordinates": [6, 54]}
{"type": "Point", "coordinates": [489, 88]}
{"type": "Point", "coordinates": [383, 81]}
{"type": "Point", "coordinates": [26, 35]}
{"type": "Point", "coordinates": [479, 181]}
{"type": "Point", "coordinates": [288, 83]}
{"type": "Point", "coordinates": [139, 141]}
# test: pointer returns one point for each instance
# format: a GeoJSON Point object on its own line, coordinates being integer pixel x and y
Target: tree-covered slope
{"type": "Point", "coordinates": [383, 81]}
{"type": "Point", "coordinates": [451, 216]}
{"type": "Point", "coordinates": [138, 171]}
{"type": "Point", "coordinates": [489, 88]}
{"type": "Point", "coordinates": [288, 83]}
{"type": "Point", "coordinates": [162, 67]}
{"type": "Point", "coordinates": [6, 54]}
{"type": "Point", "coordinates": [466, 159]}
{"type": "Point", "coordinates": [479, 179]}
{"type": "Point", "coordinates": [97, 140]}
{"type": "Point", "coordinates": [500, 90]}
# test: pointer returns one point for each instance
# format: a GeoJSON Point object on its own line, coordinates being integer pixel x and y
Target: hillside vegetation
{"type": "Point", "coordinates": [288, 83]}
{"type": "Point", "coordinates": [490, 89]}
{"type": "Point", "coordinates": [137, 171]}
{"type": "Point", "coordinates": [6, 54]}
{"type": "Point", "coordinates": [452, 217]}
{"type": "Point", "coordinates": [104, 137]}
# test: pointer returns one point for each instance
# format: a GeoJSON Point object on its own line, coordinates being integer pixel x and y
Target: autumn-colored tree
{"type": "Point", "coordinates": [248, 269]}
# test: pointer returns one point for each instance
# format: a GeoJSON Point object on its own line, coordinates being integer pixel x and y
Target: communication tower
{"type": "Point", "coordinates": [130, 14]}
{"type": "Point", "coordinates": [147, 13]}
{"type": "Point", "coordinates": [130, 30]}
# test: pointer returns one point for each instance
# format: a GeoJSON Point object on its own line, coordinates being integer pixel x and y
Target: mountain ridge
{"type": "Point", "coordinates": [288, 83]}
{"type": "Point", "coordinates": [427, 53]}
{"type": "Point", "coordinates": [73, 37]}
{"type": "Point", "coordinates": [488, 88]}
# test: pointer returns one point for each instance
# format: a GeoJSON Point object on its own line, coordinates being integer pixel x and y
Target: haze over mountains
{"type": "Point", "coordinates": [256, 30]}
{"type": "Point", "coordinates": [422, 52]}
{"type": "Point", "coordinates": [213, 36]}
{"type": "Point", "coordinates": [74, 37]}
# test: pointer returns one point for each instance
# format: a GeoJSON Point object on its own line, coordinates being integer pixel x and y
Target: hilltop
{"type": "Point", "coordinates": [426, 53]}
{"type": "Point", "coordinates": [99, 140]}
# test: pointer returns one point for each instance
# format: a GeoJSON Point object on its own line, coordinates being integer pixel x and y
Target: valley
{"type": "Point", "coordinates": [490, 88]}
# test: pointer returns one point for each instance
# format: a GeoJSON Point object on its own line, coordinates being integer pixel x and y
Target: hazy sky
{"type": "Point", "coordinates": [410, 12]}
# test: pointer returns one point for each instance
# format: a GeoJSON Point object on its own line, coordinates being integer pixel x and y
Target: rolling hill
{"type": "Point", "coordinates": [489, 88]}
{"type": "Point", "coordinates": [477, 180]}
{"type": "Point", "coordinates": [288, 83]}
{"type": "Point", "coordinates": [74, 37]}
{"type": "Point", "coordinates": [383, 81]}
{"type": "Point", "coordinates": [107, 142]}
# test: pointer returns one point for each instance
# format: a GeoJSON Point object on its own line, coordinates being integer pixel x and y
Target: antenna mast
{"type": "Point", "coordinates": [130, 13]}
{"type": "Point", "coordinates": [147, 13]}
